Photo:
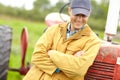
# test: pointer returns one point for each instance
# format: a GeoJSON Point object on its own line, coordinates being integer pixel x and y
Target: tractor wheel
{"type": "Point", "coordinates": [5, 48]}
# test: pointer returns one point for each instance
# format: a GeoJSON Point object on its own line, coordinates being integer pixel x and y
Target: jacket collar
{"type": "Point", "coordinates": [84, 32]}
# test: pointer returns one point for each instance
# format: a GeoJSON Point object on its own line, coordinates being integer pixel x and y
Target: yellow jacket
{"type": "Point", "coordinates": [72, 67]}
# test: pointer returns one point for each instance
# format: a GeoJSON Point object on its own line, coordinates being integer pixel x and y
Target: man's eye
{"type": "Point", "coordinates": [83, 16]}
{"type": "Point", "coordinates": [80, 15]}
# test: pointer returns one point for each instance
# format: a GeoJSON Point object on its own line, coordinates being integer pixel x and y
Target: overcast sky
{"type": "Point", "coordinates": [28, 4]}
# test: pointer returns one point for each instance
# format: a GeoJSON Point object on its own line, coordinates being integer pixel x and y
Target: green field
{"type": "Point", "coordinates": [35, 30]}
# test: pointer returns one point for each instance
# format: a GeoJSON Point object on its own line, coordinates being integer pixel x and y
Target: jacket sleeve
{"type": "Point", "coordinates": [75, 67]}
{"type": "Point", "coordinates": [40, 57]}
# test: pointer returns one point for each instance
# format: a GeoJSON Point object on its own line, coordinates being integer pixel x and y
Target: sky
{"type": "Point", "coordinates": [28, 4]}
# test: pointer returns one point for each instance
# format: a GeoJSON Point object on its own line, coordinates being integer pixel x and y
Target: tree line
{"type": "Point", "coordinates": [43, 7]}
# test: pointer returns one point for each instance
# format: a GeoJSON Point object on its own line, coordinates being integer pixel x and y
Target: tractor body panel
{"type": "Point", "coordinates": [106, 65]}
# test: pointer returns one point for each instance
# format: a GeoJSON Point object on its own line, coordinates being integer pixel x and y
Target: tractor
{"type": "Point", "coordinates": [106, 65]}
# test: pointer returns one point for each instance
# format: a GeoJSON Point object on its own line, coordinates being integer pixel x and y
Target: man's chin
{"type": "Point", "coordinates": [77, 28]}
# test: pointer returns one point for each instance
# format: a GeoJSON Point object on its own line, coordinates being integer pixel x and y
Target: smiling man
{"type": "Point", "coordinates": [65, 51]}
{"type": "Point", "coordinates": [79, 11]}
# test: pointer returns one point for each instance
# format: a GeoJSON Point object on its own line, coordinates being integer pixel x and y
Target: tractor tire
{"type": "Point", "coordinates": [5, 48]}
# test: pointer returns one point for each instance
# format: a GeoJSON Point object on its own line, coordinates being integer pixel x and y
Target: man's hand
{"type": "Point", "coordinates": [50, 52]}
{"type": "Point", "coordinates": [79, 53]}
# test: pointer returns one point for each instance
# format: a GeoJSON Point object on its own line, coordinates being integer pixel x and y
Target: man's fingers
{"type": "Point", "coordinates": [79, 53]}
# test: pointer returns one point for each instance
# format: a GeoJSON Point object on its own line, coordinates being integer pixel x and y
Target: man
{"type": "Point", "coordinates": [65, 51]}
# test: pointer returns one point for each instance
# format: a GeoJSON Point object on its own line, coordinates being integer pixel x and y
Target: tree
{"type": "Point", "coordinates": [41, 5]}
{"type": "Point", "coordinates": [99, 10]}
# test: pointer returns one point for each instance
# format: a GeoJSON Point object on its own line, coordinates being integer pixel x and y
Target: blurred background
{"type": "Point", "coordinates": [31, 14]}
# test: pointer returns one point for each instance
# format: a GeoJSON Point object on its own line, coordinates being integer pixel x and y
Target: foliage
{"type": "Point", "coordinates": [99, 10]}
{"type": "Point", "coordinates": [96, 23]}
{"type": "Point", "coordinates": [41, 5]}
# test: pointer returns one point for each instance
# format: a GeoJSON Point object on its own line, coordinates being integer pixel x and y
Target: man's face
{"type": "Point", "coordinates": [77, 21]}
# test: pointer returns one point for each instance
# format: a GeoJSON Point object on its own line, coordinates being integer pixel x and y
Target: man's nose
{"type": "Point", "coordinates": [79, 17]}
